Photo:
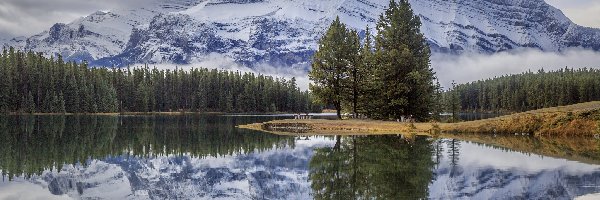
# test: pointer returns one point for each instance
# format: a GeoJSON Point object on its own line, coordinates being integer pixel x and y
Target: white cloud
{"type": "Point", "coordinates": [461, 68]}
{"type": "Point", "coordinates": [29, 17]}
{"type": "Point", "coordinates": [472, 67]}
{"type": "Point", "coordinates": [222, 62]}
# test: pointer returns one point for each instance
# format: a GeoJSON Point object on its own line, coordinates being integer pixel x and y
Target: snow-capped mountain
{"type": "Point", "coordinates": [285, 32]}
{"type": "Point", "coordinates": [98, 35]}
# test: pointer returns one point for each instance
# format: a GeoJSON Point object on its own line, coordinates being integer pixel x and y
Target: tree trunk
{"type": "Point", "coordinates": [338, 107]}
{"type": "Point", "coordinates": [354, 107]}
{"type": "Point", "coordinates": [338, 143]}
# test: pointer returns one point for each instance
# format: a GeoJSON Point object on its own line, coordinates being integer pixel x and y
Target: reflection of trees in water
{"type": "Point", "coordinates": [438, 147]}
{"type": "Point", "coordinates": [383, 167]}
{"type": "Point", "coordinates": [453, 146]}
{"type": "Point", "coordinates": [583, 149]}
{"type": "Point", "coordinates": [31, 144]}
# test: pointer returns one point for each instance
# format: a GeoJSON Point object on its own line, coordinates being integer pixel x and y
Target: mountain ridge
{"type": "Point", "coordinates": [285, 32]}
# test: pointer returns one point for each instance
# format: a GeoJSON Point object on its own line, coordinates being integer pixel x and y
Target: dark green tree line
{"type": "Point", "coordinates": [32, 83]}
{"type": "Point", "coordinates": [528, 91]}
{"type": "Point", "coordinates": [385, 78]}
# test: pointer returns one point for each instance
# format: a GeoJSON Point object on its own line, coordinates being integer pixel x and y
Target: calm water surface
{"type": "Point", "coordinates": [206, 157]}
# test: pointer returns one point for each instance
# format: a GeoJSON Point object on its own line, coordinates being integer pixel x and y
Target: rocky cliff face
{"type": "Point", "coordinates": [285, 32]}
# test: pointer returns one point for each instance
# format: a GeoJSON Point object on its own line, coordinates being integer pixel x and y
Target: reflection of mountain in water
{"type": "Point", "coordinates": [272, 174]}
{"type": "Point", "coordinates": [494, 173]}
{"type": "Point", "coordinates": [31, 145]}
{"type": "Point", "coordinates": [204, 157]}
{"type": "Point", "coordinates": [389, 167]}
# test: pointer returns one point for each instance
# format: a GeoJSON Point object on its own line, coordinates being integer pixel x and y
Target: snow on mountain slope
{"type": "Point", "coordinates": [98, 35]}
{"type": "Point", "coordinates": [285, 32]}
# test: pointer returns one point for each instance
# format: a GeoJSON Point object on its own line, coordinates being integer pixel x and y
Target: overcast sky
{"type": "Point", "coordinates": [29, 17]}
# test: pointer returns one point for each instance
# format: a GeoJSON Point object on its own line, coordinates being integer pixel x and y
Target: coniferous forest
{"type": "Point", "coordinates": [32, 83]}
{"type": "Point", "coordinates": [527, 91]}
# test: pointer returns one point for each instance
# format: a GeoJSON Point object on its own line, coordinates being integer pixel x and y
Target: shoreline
{"type": "Point", "coordinates": [137, 114]}
{"type": "Point", "coordinates": [573, 120]}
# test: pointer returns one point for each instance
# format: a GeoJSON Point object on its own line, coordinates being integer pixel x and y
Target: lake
{"type": "Point", "coordinates": [206, 157]}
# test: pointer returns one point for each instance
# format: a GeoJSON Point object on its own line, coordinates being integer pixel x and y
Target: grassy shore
{"type": "Point", "coordinates": [573, 120]}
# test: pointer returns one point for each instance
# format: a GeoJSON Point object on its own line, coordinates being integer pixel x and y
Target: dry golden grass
{"type": "Point", "coordinates": [574, 120]}
{"type": "Point", "coordinates": [344, 127]}
{"type": "Point", "coordinates": [329, 111]}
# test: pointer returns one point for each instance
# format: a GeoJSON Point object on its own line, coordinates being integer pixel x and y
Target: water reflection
{"type": "Point", "coordinates": [33, 144]}
{"type": "Point", "coordinates": [205, 157]}
{"type": "Point", "coordinates": [384, 167]}
{"type": "Point", "coordinates": [491, 172]}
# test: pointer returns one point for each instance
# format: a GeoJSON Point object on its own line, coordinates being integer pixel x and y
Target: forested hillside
{"type": "Point", "coordinates": [32, 83]}
{"type": "Point", "coordinates": [528, 91]}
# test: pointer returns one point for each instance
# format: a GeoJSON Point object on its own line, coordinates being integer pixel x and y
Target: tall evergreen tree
{"type": "Point", "coordinates": [369, 102]}
{"type": "Point", "coordinates": [356, 73]}
{"type": "Point", "coordinates": [6, 83]}
{"type": "Point", "coordinates": [402, 55]}
{"type": "Point", "coordinates": [330, 66]}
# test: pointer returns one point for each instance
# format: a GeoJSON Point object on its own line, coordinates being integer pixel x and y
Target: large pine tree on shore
{"type": "Point", "coordinates": [387, 81]}
{"type": "Point", "coordinates": [404, 72]}
{"type": "Point", "coordinates": [332, 65]}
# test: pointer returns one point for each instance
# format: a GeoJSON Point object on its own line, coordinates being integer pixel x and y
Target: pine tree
{"type": "Point", "coordinates": [356, 73]}
{"type": "Point", "coordinates": [106, 96]}
{"type": "Point", "coordinates": [438, 99]}
{"type": "Point", "coordinates": [142, 97]}
{"type": "Point", "coordinates": [28, 103]}
{"type": "Point", "coordinates": [330, 66]}
{"type": "Point", "coordinates": [5, 84]}
{"type": "Point", "coordinates": [61, 103]}
{"type": "Point", "coordinates": [454, 102]}
{"type": "Point", "coordinates": [402, 55]}
{"type": "Point", "coordinates": [369, 102]}
{"type": "Point", "coordinates": [72, 98]}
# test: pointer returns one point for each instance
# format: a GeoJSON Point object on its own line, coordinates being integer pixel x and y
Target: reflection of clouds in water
{"type": "Point", "coordinates": [589, 197]}
{"type": "Point", "coordinates": [482, 173]}
{"type": "Point", "coordinates": [22, 189]}
{"type": "Point", "coordinates": [478, 157]}
{"type": "Point", "coordinates": [472, 67]}
{"type": "Point", "coordinates": [490, 173]}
